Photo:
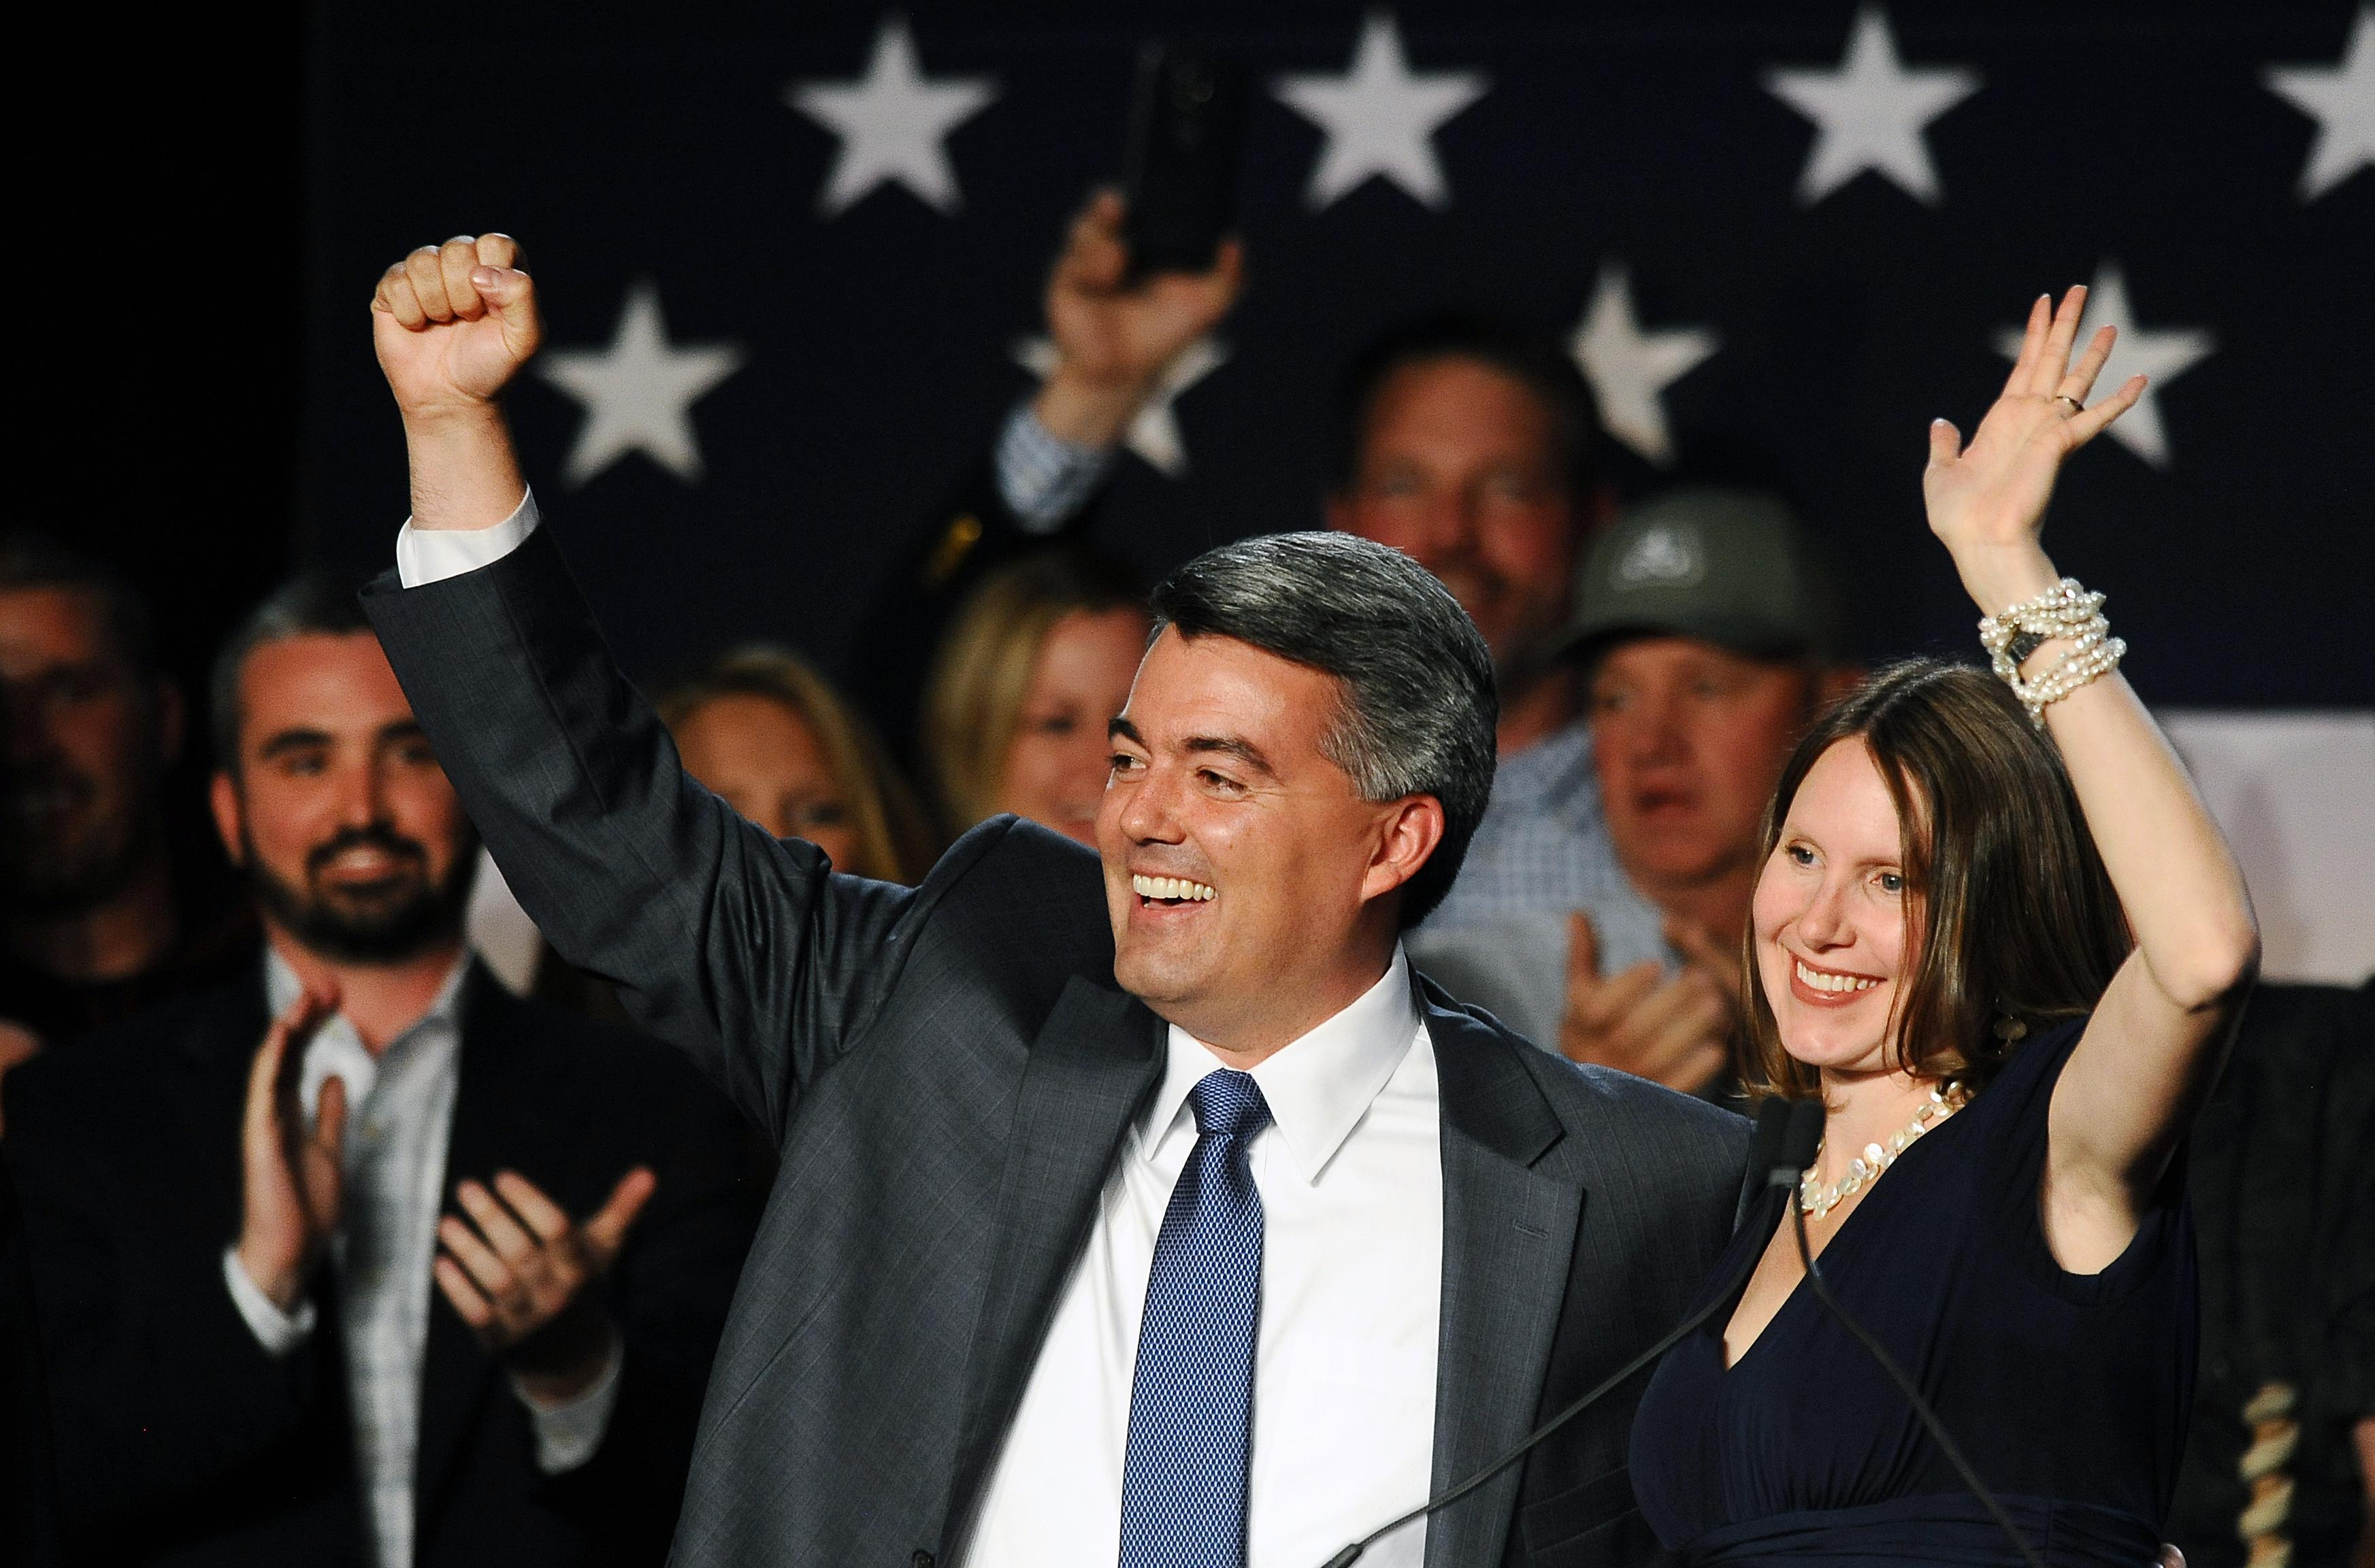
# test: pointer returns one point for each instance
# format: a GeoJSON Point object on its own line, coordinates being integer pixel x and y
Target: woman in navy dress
{"type": "Point", "coordinates": [1996, 931]}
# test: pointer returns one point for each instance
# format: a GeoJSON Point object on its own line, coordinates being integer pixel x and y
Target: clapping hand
{"type": "Point", "coordinates": [1987, 500]}
{"type": "Point", "coordinates": [291, 1176]}
{"type": "Point", "coordinates": [1115, 333]}
{"type": "Point", "coordinates": [519, 1271]}
{"type": "Point", "coordinates": [1670, 1031]}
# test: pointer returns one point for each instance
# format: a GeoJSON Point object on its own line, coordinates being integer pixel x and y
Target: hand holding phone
{"type": "Point", "coordinates": [1187, 126]}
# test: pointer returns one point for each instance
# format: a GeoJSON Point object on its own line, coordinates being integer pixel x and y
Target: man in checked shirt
{"type": "Point", "coordinates": [432, 1275]}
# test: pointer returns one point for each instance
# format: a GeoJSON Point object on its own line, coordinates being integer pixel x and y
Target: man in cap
{"type": "Point", "coordinates": [1705, 635]}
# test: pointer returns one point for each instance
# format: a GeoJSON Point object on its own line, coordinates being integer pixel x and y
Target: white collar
{"type": "Point", "coordinates": [337, 1048]}
{"type": "Point", "coordinates": [282, 987]}
{"type": "Point", "coordinates": [1319, 1087]}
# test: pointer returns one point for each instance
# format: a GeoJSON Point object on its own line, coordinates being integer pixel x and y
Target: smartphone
{"type": "Point", "coordinates": [1186, 124]}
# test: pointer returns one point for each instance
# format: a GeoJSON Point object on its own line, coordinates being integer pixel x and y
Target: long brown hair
{"type": "Point", "coordinates": [2018, 921]}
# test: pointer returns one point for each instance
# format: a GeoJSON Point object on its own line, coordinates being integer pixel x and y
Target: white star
{"type": "Point", "coordinates": [1629, 367]}
{"type": "Point", "coordinates": [639, 391]}
{"type": "Point", "coordinates": [2342, 100]}
{"type": "Point", "coordinates": [1871, 112]}
{"type": "Point", "coordinates": [2162, 354]}
{"type": "Point", "coordinates": [892, 122]}
{"type": "Point", "coordinates": [1379, 116]}
{"type": "Point", "coordinates": [1155, 434]}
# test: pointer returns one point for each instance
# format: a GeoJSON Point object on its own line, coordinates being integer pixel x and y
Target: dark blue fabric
{"type": "Point", "coordinates": [1933, 1528]}
{"type": "Point", "coordinates": [1192, 1403]}
{"type": "Point", "coordinates": [2067, 1392]}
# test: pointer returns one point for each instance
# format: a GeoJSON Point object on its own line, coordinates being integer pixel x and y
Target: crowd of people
{"type": "Point", "coordinates": [437, 1274]}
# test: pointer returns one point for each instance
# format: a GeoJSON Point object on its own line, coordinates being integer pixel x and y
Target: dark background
{"type": "Point", "coordinates": [269, 162]}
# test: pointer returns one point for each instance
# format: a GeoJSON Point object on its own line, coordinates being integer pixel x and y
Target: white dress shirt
{"type": "Point", "coordinates": [400, 1119]}
{"type": "Point", "coordinates": [1351, 1176]}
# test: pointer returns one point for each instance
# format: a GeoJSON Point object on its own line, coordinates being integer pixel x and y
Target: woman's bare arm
{"type": "Point", "coordinates": [2161, 1029]}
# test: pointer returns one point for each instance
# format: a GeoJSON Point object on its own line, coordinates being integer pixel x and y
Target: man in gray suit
{"type": "Point", "coordinates": [1148, 1212]}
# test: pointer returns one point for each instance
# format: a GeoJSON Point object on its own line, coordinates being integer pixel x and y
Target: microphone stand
{"type": "Point", "coordinates": [1784, 1145]}
{"type": "Point", "coordinates": [1787, 1136]}
{"type": "Point", "coordinates": [1929, 1420]}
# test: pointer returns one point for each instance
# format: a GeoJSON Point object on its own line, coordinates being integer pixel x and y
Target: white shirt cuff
{"type": "Point", "coordinates": [279, 1332]}
{"type": "Point", "coordinates": [431, 555]}
{"type": "Point", "coordinates": [567, 1434]}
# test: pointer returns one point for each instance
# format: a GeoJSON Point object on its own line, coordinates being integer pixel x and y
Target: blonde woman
{"type": "Point", "coordinates": [771, 737]}
{"type": "Point", "coordinates": [1037, 661]}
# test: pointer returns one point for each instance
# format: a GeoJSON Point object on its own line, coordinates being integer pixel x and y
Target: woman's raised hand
{"type": "Point", "coordinates": [1986, 499]}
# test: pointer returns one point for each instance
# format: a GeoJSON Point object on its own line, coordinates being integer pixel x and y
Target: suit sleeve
{"type": "Point", "coordinates": [733, 945]}
{"type": "Point", "coordinates": [971, 535]}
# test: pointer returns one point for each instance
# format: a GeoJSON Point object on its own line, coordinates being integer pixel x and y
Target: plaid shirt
{"type": "Point", "coordinates": [1543, 852]}
{"type": "Point", "coordinates": [1043, 478]}
{"type": "Point", "coordinates": [401, 1113]}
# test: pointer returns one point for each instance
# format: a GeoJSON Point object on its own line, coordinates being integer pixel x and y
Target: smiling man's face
{"type": "Point", "coordinates": [1246, 878]}
{"type": "Point", "coordinates": [1460, 471]}
{"type": "Point", "coordinates": [338, 811]}
{"type": "Point", "coordinates": [87, 737]}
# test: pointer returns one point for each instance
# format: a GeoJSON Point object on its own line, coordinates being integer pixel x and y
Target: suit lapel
{"type": "Point", "coordinates": [216, 1052]}
{"type": "Point", "coordinates": [1096, 1059]}
{"type": "Point", "coordinates": [503, 1118]}
{"type": "Point", "coordinates": [1508, 1235]}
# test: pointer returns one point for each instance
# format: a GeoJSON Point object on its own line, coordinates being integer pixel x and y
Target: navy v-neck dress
{"type": "Point", "coordinates": [2068, 1393]}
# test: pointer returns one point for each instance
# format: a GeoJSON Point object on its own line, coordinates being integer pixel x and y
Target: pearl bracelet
{"type": "Point", "coordinates": [2065, 610]}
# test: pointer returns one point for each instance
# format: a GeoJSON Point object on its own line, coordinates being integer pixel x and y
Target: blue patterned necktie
{"type": "Point", "coordinates": [1191, 1404]}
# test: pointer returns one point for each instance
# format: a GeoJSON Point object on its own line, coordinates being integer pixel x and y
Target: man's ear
{"type": "Point", "coordinates": [1407, 839]}
{"type": "Point", "coordinates": [222, 793]}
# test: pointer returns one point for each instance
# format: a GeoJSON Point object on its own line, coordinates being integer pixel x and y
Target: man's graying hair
{"type": "Point", "coordinates": [1419, 706]}
{"type": "Point", "coordinates": [311, 603]}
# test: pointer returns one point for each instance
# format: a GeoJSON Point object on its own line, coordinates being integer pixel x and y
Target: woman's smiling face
{"type": "Point", "coordinates": [1832, 916]}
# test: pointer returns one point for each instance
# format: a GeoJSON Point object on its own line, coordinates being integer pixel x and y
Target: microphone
{"type": "Point", "coordinates": [1788, 1133]}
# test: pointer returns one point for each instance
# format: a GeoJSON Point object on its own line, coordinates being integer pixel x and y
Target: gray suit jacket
{"type": "Point", "coordinates": [949, 1071]}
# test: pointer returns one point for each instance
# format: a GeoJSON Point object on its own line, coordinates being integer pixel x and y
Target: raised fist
{"type": "Point", "coordinates": [453, 325]}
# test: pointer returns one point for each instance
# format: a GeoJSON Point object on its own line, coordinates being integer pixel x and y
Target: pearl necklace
{"type": "Point", "coordinates": [1818, 1200]}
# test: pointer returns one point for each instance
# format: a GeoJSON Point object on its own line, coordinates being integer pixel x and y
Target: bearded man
{"type": "Point", "coordinates": [428, 1276]}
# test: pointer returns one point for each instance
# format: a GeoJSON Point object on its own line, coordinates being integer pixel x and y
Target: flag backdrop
{"type": "Point", "coordinates": [791, 259]}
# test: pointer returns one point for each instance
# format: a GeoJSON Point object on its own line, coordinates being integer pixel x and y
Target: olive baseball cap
{"type": "Point", "coordinates": [1727, 566]}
